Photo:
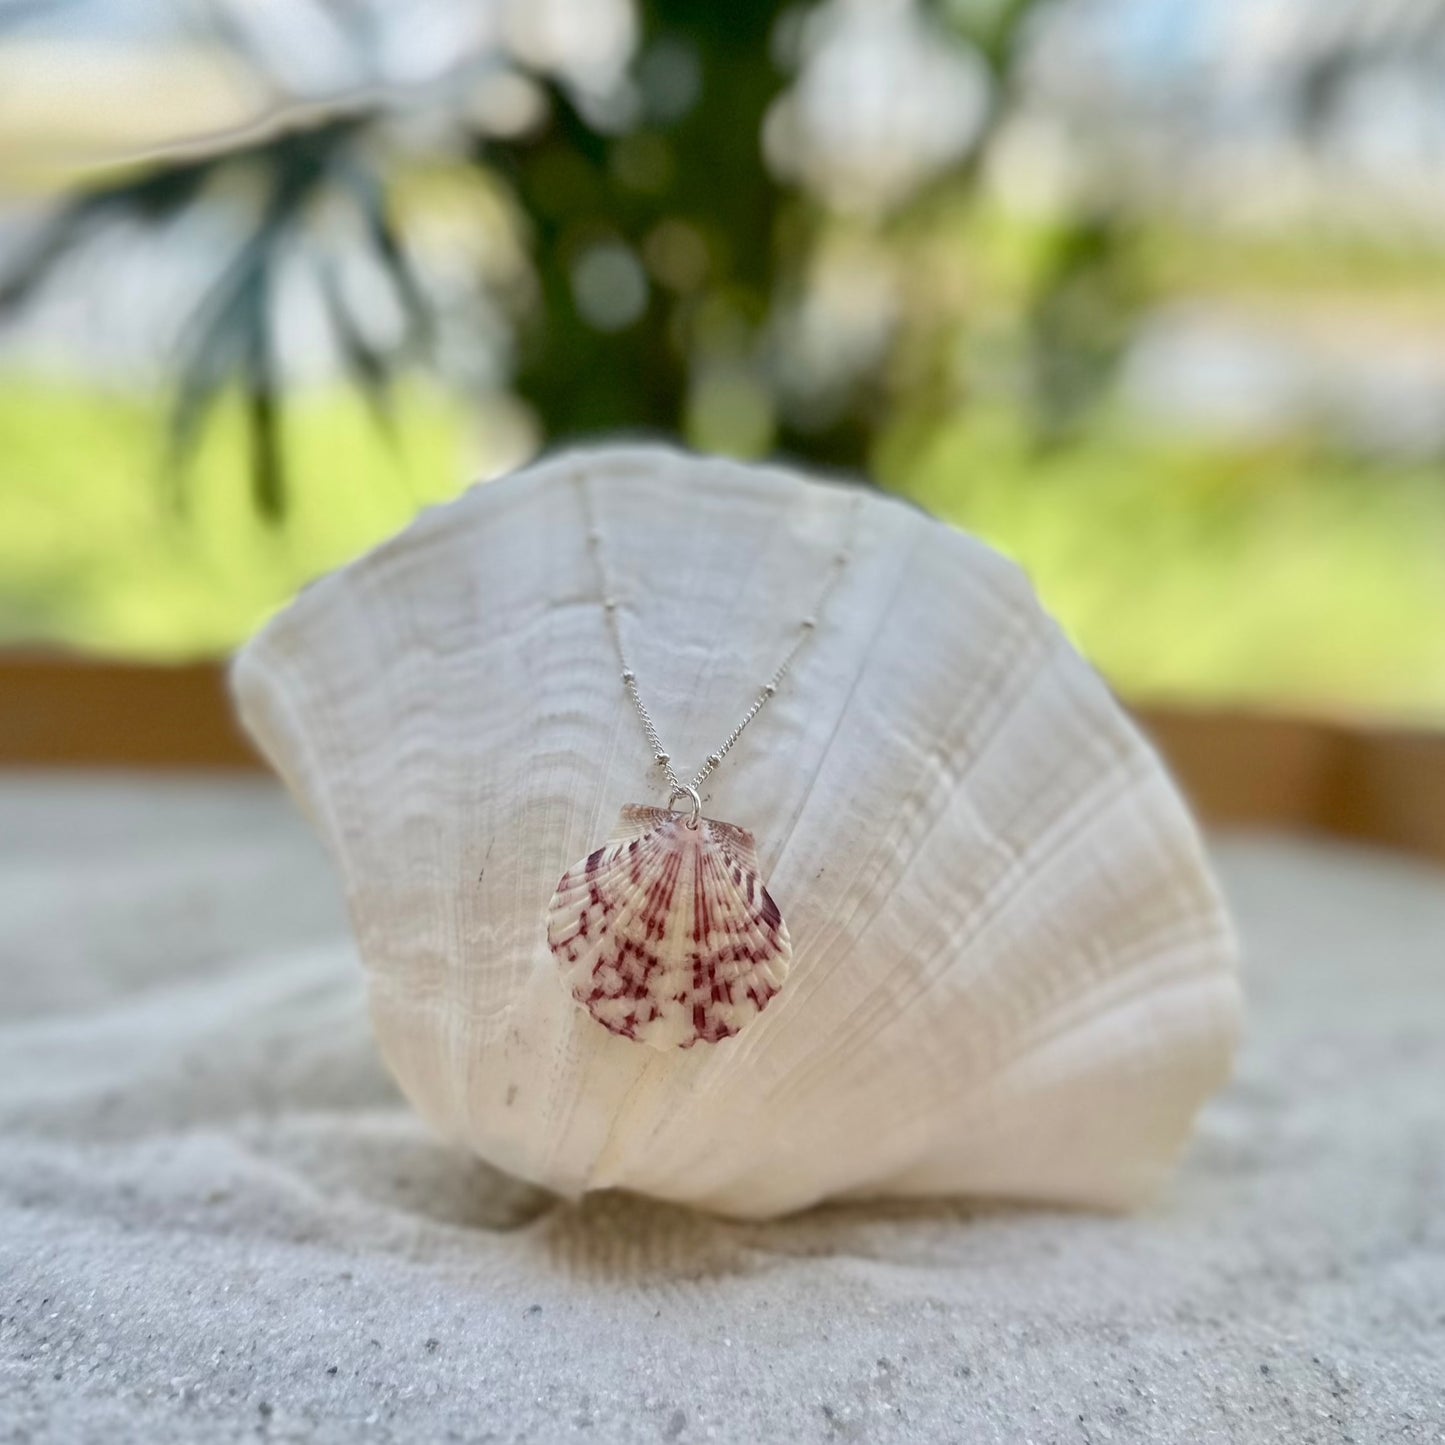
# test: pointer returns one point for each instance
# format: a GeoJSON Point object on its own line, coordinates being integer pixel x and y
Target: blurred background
{"type": "Point", "coordinates": [1148, 293]}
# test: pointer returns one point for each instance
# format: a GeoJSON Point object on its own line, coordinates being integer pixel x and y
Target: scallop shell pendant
{"type": "Point", "coordinates": [666, 934]}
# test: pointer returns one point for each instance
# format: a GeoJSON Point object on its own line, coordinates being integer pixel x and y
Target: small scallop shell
{"type": "Point", "coordinates": [666, 934]}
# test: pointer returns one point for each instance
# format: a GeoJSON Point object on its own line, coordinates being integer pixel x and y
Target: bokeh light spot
{"type": "Point", "coordinates": [609, 286]}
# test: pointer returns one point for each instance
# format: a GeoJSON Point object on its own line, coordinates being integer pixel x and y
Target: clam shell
{"type": "Point", "coordinates": [666, 933]}
{"type": "Point", "coordinates": [1011, 974]}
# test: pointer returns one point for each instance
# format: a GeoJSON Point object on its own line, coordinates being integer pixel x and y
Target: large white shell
{"type": "Point", "coordinates": [1011, 972]}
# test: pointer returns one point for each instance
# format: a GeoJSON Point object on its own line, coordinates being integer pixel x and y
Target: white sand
{"type": "Point", "coordinates": [217, 1222]}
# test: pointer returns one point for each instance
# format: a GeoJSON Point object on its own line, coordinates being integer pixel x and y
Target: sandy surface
{"type": "Point", "coordinates": [217, 1222]}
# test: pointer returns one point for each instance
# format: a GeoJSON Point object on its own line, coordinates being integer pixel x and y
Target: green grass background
{"type": "Point", "coordinates": [1279, 575]}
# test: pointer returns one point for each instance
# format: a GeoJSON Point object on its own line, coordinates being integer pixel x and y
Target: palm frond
{"type": "Point", "coordinates": [230, 342]}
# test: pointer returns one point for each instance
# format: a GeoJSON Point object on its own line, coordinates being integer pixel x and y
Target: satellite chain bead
{"type": "Point", "coordinates": [806, 627]}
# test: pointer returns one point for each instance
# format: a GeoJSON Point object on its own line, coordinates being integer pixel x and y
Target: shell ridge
{"type": "Point", "coordinates": [1127, 987]}
{"type": "Point", "coordinates": [323, 808]}
{"type": "Point", "coordinates": [961, 947]}
{"type": "Point", "coordinates": [585, 879]}
{"type": "Point", "coordinates": [925, 786]}
{"type": "Point", "coordinates": [887, 847]}
{"type": "Point", "coordinates": [1190, 989]}
{"type": "Point", "coordinates": [752, 901]}
{"type": "Point", "coordinates": [883, 614]}
{"type": "Point", "coordinates": [594, 956]}
{"type": "Point", "coordinates": [582, 887]}
{"type": "Point", "coordinates": [932, 1123]}
{"type": "Point", "coordinates": [980, 922]}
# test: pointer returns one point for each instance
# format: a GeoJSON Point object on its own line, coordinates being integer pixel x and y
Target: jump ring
{"type": "Point", "coordinates": [682, 790]}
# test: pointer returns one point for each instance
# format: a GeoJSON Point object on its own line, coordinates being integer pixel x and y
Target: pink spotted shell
{"type": "Point", "coordinates": [666, 934]}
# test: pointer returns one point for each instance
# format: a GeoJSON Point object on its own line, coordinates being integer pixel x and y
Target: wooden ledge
{"type": "Point", "coordinates": [1239, 768]}
{"type": "Point", "coordinates": [75, 713]}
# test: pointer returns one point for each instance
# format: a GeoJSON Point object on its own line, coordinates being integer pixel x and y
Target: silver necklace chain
{"type": "Point", "coordinates": [805, 629]}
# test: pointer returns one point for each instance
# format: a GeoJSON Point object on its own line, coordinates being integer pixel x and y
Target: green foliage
{"type": "Point", "coordinates": [1272, 575]}
{"type": "Point", "coordinates": [645, 271]}
{"type": "Point", "coordinates": [231, 341]}
{"type": "Point", "coordinates": [93, 555]}
{"type": "Point", "coordinates": [674, 220]}
{"type": "Point", "coordinates": [1275, 575]}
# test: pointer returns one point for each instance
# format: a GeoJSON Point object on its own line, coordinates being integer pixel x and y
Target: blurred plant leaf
{"type": "Point", "coordinates": [995, 27]}
{"type": "Point", "coordinates": [149, 199]}
{"type": "Point", "coordinates": [1084, 303]}
{"type": "Point", "coordinates": [583, 182]}
{"type": "Point", "coordinates": [230, 341]}
{"type": "Point", "coordinates": [368, 364]}
{"type": "Point", "coordinates": [365, 189]}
